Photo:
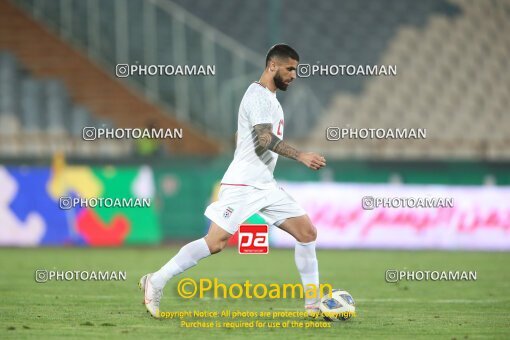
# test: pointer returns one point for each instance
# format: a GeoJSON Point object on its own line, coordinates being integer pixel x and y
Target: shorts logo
{"type": "Point", "coordinates": [253, 239]}
{"type": "Point", "coordinates": [228, 212]}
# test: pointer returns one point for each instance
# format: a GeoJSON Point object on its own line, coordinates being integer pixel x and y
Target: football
{"type": "Point", "coordinates": [339, 305]}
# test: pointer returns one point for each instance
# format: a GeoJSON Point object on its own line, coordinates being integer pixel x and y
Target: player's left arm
{"type": "Point", "coordinates": [269, 141]}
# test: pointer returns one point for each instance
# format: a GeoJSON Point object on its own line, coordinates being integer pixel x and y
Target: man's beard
{"type": "Point", "coordinates": [278, 81]}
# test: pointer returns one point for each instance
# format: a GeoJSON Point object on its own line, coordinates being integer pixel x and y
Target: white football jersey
{"type": "Point", "coordinates": [251, 165]}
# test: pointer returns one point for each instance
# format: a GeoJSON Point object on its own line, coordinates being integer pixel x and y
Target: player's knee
{"type": "Point", "coordinates": [308, 234]}
{"type": "Point", "coordinates": [216, 246]}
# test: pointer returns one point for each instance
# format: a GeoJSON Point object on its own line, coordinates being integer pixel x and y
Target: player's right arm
{"type": "Point", "coordinates": [267, 140]}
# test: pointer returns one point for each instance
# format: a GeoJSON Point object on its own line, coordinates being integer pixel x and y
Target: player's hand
{"type": "Point", "coordinates": [312, 160]}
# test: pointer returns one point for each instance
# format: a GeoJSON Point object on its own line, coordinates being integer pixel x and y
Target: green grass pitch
{"type": "Point", "coordinates": [76, 309]}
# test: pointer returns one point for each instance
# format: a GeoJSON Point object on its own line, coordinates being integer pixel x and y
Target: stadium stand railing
{"type": "Point", "coordinates": [61, 86]}
{"type": "Point", "coordinates": [452, 59]}
{"type": "Point", "coordinates": [162, 32]}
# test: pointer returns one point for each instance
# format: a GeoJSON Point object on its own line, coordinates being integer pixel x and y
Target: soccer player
{"type": "Point", "coordinates": [248, 186]}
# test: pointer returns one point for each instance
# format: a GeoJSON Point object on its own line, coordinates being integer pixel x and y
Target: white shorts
{"type": "Point", "coordinates": [235, 204]}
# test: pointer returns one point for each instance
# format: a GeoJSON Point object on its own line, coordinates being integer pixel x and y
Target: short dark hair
{"type": "Point", "coordinates": [281, 51]}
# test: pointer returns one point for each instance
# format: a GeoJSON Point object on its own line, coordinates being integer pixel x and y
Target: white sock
{"type": "Point", "coordinates": [187, 257]}
{"type": "Point", "coordinates": [308, 267]}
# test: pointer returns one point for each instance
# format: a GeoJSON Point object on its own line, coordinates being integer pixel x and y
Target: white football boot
{"type": "Point", "coordinates": [152, 296]}
{"type": "Point", "coordinates": [313, 310]}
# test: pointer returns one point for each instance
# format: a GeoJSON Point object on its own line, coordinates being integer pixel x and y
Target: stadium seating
{"type": "Point", "coordinates": [456, 86]}
{"type": "Point", "coordinates": [37, 117]}
{"type": "Point", "coordinates": [452, 59]}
